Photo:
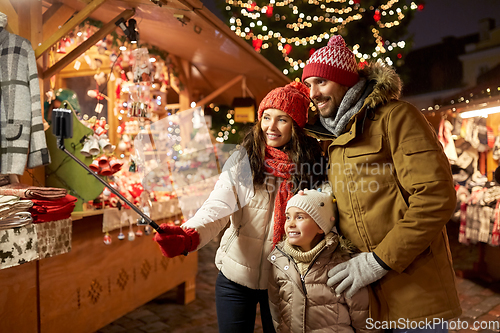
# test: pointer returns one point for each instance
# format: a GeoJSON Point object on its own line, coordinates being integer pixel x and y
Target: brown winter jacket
{"type": "Point", "coordinates": [308, 304]}
{"type": "Point", "coordinates": [395, 194]}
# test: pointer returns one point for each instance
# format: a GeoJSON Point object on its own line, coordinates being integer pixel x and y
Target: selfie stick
{"type": "Point", "coordinates": [63, 128]}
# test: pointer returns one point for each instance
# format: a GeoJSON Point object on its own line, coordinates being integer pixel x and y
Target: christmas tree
{"type": "Point", "coordinates": [288, 32]}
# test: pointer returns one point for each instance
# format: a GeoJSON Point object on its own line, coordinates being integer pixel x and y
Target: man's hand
{"type": "Point", "coordinates": [175, 241]}
{"type": "Point", "coordinates": [355, 274]}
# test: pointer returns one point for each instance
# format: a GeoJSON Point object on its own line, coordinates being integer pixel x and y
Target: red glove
{"type": "Point", "coordinates": [175, 241]}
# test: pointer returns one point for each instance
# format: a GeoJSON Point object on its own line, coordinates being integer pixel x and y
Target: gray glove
{"type": "Point", "coordinates": [355, 274]}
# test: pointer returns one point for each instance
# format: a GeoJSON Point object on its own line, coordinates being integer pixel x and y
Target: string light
{"type": "Point", "coordinates": [309, 24]}
{"type": "Point", "coordinates": [474, 101]}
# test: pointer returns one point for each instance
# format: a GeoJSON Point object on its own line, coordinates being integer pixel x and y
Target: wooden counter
{"type": "Point", "coordinates": [92, 285]}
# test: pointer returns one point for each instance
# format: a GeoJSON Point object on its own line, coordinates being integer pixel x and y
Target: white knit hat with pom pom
{"type": "Point", "coordinates": [321, 206]}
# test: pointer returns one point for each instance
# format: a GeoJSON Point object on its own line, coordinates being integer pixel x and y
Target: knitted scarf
{"type": "Point", "coordinates": [301, 258]}
{"type": "Point", "coordinates": [279, 165]}
{"type": "Point", "coordinates": [350, 105]}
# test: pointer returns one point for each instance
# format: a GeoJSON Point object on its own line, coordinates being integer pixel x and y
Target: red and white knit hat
{"type": "Point", "coordinates": [334, 62]}
{"type": "Point", "coordinates": [293, 99]}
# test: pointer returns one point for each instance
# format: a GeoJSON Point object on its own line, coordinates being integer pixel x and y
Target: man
{"type": "Point", "coordinates": [393, 186]}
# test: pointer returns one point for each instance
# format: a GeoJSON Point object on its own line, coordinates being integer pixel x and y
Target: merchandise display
{"type": "Point", "coordinates": [464, 142]}
{"type": "Point", "coordinates": [54, 237]}
{"type": "Point", "coordinates": [18, 245]}
{"type": "Point", "coordinates": [187, 154]}
{"type": "Point", "coordinates": [14, 212]}
{"type": "Point", "coordinates": [23, 140]}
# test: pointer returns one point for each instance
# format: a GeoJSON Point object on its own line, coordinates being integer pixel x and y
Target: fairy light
{"type": "Point", "coordinates": [305, 17]}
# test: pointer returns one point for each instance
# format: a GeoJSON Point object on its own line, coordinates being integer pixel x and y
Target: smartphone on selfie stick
{"type": "Point", "coordinates": [62, 128]}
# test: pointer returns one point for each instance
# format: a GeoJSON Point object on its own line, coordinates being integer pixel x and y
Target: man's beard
{"type": "Point", "coordinates": [329, 112]}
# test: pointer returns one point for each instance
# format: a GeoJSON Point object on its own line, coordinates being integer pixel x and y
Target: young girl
{"type": "Point", "coordinates": [278, 151]}
{"type": "Point", "coordinates": [299, 298]}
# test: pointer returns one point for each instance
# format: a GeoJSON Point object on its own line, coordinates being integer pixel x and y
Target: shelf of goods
{"type": "Point", "coordinates": [93, 284]}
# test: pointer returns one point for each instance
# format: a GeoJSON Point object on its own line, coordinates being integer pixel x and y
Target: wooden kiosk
{"type": "Point", "coordinates": [95, 284]}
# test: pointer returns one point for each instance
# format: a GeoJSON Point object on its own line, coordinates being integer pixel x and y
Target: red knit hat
{"type": "Point", "coordinates": [334, 62]}
{"type": "Point", "coordinates": [293, 99]}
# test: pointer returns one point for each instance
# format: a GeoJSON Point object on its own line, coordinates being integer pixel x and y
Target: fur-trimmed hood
{"type": "Point", "coordinates": [388, 84]}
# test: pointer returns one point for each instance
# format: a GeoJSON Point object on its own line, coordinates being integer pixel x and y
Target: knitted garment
{"type": "Point", "coordinates": [495, 233]}
{"type": "Point", "coordinates": [22, 136]}
{"type": "Point", "coordinates": [351, 103]}
{"type": "Point", "coordinates": [320, 206]}
{"type": "Point", "coordinates": [301, 258]}
{"type": "Point", "coordinates": [334, 62]}
{"type": "Point", "coordinates": [463, 224]}
{"type": "Point", "coordinates": [33, 192]}
{"type": "Point", "coordinates": [293, 99]}
{"type": "Point", "coordinates": [278, 164]}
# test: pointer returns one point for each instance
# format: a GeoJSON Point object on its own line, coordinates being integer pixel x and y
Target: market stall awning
{"type": "Point", "coordinates": [215, 62]}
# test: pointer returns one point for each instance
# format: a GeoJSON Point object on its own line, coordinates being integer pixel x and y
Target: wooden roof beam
{"type": "Point", "coordinates": [68, 26]}
{"type": "Point", "coordinates": [219, 91]}
{"type": "Point", "coordinates": [92, 40]}
{"type": "Point", "coordinates": [54, 17]}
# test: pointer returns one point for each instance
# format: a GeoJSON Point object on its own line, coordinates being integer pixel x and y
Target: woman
{"type": "Point", "coordinates": [253, 198]}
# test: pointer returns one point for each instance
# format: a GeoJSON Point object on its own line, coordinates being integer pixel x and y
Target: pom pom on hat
{"type": "Point", "coordinates": [293, 99]}
{"type": "Point", "coordinates": [334, 62]}
{"type": "Point", "coordinates": [321, 206]}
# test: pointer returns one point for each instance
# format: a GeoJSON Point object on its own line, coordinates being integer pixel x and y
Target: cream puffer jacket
{"type": "Point", "coordinates": [246, 243]}
{"type": "Point", "coordinates": [306, 304]}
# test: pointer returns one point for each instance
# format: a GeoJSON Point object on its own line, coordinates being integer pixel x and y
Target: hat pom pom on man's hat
{"type": "Point", "coordinates": [336, 41]}
{"type": "Point", "coordinates": [334, 62]}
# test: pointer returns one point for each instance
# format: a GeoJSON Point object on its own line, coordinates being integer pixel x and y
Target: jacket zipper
{"type": "Point", "coordinates": [302, 277]}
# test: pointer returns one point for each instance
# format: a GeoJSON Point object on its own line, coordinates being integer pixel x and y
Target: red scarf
{"type": "Point", "coordinates": [278, 164]}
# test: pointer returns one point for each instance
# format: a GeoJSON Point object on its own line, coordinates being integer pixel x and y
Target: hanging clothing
{"type": "Point", "coordinates": [22, 135]}
{"type": "Point", "coordinates": [446, 139]}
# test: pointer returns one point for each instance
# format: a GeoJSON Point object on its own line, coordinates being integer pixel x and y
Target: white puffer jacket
{"type": "Point", "coordinates": [246, 244]}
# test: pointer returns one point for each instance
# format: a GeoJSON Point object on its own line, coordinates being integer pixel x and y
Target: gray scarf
{"type": "Point", "coordinates": [351, 103]}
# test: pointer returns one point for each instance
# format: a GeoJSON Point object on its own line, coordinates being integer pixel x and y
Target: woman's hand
{"type": "Point", "coordinates": [174, 240]}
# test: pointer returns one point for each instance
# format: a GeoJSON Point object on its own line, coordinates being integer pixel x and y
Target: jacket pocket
{"type": "Point", "coordinates": [421, 145]}
{"type": "Point", "coordinates": [373, 146]}
{"type": "Point", "coordinates": [13, 131]}
{"type": "Point", "coordinates": [416, 156]}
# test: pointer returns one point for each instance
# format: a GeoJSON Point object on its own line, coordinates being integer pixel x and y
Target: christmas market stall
{"type": "Point", "coordinates": [131, 91]}
{"type": "Point", "coordinates": [468, 126]}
